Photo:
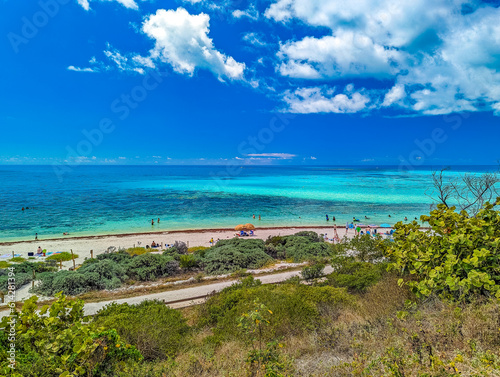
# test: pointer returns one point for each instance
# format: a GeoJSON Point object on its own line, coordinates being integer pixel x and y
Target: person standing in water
{"type": "Point", "coordinates": [259, 217]}
{"type": "Point", "coordinates": [254, 215]}
{"type": "Point", "coordinates": [36, 236]}
{"type": "Point", "coordinates": [158, 220]}
{"type": "Point", "coordinates": [327, 219]}
{"type": "Point", "coordinates": [152, 222]}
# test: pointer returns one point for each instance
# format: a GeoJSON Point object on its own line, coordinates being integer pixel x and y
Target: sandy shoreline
{"type": "Point", "coordinates": [99, 244]}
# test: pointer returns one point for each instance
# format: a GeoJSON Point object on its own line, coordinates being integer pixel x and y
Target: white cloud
{"type": "Point", "coordinates": [440, 58]}
{"type": "Point", "coordinates": [85, 4]}
{"type": "Point", "coordinates": [251, 13]}
{"type": "Point", "coordinates": [181, 40]}
{"type": "Point", "coordinates": [78, 69]}
{"type": "Point", "coordinates": [345, 54]}
{"type": "Point", "coordinates": [282, 156]}
{"type": "Point", "coordinates": [316, 100]}
{"type": "Point", "coordinates": [131, 4]}
{"type": "Point", "coordinates": [395, 94]}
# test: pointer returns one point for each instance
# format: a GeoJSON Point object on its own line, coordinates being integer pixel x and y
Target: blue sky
{"type": "Point", "coordinates": [249, 82]}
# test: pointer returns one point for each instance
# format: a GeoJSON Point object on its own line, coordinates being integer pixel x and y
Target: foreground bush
{"type": "Point", "coordinates": [57, 342]}
{"type": "Point", "coordinates": [235, 254]}
{"type": "Point", "coordinates": [156, 330]}
{"type": "Point", "coordinates": [458, 257]}
{"type": "Point", "coordinates": [295, 307]}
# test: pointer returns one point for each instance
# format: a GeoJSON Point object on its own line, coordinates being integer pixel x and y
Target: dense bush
{"type": "Point", "coordinates": [93, 275]}
{"type": "Point", "coordinates": [156, 330]}
{"type": "Point", "coordinates": [356, 276]}
{"type": "Point", "coordinates": [57, 342]}
{"type": "Point", "coordinates": [458, 257]}
{"type": "Point", "coordinates": [299, 247]}
{"type": "Point", "coordinates": [188, 262]}
{"type": "Point", "coordinates": [231, 255]}
{"type": "Point", "coordinates": [29, 267]}
{"type": "Point", "coordinates": [295, 307]}
{"type": "Point", "coordinates": [312, 272]}
{"type": "Point", "coordinates": [148, 267]}
{"type": "Point", "coordinates": [62, 257]}
{"type": "Point", "coordinates": [21, 280]}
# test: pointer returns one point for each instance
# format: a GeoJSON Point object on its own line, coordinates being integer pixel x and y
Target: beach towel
{"type": "Point", "coordinates": [6, 256]}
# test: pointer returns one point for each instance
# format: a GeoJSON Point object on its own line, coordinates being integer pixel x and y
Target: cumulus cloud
{"type": "Point", "coordinates": [317, 100]}
{"type": "Point", "coordinates": [345, 54]}
{"type": "Point", "coordinates": [131, 4]}
{"type": "Point", "coordinates": [78, 69]}
{"type": "Point", "coordinates": [250, 13]}
{"type": "Point", "coordinates": [395, 94]}
{"type": "Point", "coordinates": [441, 56]}
{"type": "Point", "coordinates": [181, 40]}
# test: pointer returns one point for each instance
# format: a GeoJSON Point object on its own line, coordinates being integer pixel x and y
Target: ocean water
{"type": "Point", "coordinates": [94, 200]}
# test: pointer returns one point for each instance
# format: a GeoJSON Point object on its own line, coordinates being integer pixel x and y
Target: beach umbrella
{"type": "Point", "coordinates": [385, 225]}
{"type": "Point", "coordinates": [240, 227]}
{"type": "Point", "coordinates": [249, 227]}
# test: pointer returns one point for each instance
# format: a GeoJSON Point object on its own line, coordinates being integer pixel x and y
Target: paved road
{"type": "Point", "coordinates": [185, 293]}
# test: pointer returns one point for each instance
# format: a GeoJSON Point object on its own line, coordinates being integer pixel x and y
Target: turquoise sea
{"type": "Point", "coordinates": [93, 200]}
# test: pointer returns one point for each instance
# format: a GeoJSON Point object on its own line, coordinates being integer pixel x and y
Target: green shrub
{"type": "Point", "coordinates": [119, 257]}
{"type": "Point", "coordinates": [458, 257]}
{"type": "Point", "coordinates": [368, 248]}
{"type": "Point", "coordinates": [21, 279]}
{"type": "Point", "coordinates": [157, 330]}
{"type": "Point", "coordinates": [64, 257]}
{"type": "Point", "coordinates": [188, 262]}
{"type": "Point", "coordinates": [312, 272]}
{"type": "Point", "coordinates": [137, 251]}
{"type": "Point", "coordinates": [295, 307]}
{"type": "Point", "coordinates": [356, 276]}
{"type": "Point", "coordinates": [149, 267]}
{"type": "Point", "coordinates": [4, 264]}
{"type": "Point", "coordinates": [17, 259]}
{"type": "Point", "coordinates": [299, 247]}
{"type": "Point", "coordinates": [57, 342]}
{"type": "Point", "coordinates": [197, 250]}
{"type": "Point", "coordinates": [29, 267]}
{"type": "Point", "coordinates": [93, 275]}
{"type": "Point", "coordinates": [231, 255]}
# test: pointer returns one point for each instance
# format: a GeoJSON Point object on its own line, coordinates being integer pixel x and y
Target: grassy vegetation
{"type": "Point", "coordinates": [388, 309]}
{"type": "Point", "coordinates": [62, 257]}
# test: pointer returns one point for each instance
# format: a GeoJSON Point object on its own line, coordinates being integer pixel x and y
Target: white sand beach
{"type": "Point", "coordinates": [99, 244]}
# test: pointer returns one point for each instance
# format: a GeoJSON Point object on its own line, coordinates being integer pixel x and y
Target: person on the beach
{"type": "Point", "coordinates": [39, 250]}
{"type": "Point", "coordinates": [36, 236]}
{"type": "Point", "coordinates": [346, 228]}
{"type": "Point", "coordinates": [211, 241]}
{"type": "Point", "coordinates": [153, 244]}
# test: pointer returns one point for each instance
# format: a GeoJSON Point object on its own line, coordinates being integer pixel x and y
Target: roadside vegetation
{"type": "Point", "coordinates": [424, 304]}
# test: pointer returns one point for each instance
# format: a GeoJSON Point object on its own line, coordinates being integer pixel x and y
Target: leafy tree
{"type": "Point", "coordinates": [58, 342]}
{"type": "Point", "coordinates": [457, 257]}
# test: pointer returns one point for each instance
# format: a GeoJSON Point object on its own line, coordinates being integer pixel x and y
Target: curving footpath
{"type": "Point", "coordinates": [184, 297]}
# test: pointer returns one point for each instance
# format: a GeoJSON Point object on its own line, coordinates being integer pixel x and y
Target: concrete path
{"type": "Point", "coordinates": [186, 296]}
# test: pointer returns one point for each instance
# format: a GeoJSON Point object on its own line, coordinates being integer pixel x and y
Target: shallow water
{"type": "Point", "coordinates": [94, 200]}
